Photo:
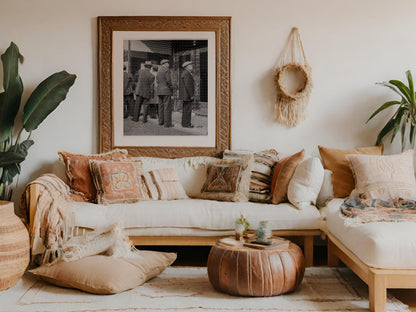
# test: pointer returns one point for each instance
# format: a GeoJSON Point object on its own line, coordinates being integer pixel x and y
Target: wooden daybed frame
{"type": "Point", "coordinates": [305, 236]}
{"type": "Point", "coordinates": [378, 280]}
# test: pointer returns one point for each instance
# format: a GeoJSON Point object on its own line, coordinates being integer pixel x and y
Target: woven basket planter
{"type": "Point", "coordinates": [14, 246]}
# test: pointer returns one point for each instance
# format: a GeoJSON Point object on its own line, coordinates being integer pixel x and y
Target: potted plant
{"type": "Point", "coordinates": [241, 225]}
{"type": "Point", "coordinates": [404, 117]}
{"type": "Point", "coordinates": [41, 102]}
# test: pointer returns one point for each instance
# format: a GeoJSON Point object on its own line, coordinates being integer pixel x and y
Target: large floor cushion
{"type": "Point", "coordinates": [195, 214]}
{"type": "Point", "coordinates": [384, 245]}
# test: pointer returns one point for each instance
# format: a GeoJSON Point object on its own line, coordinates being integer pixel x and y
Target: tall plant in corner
{"type": "Point", "coordinates": [404, 118]}
{"type": "Point", "coordinates": [41, 102]}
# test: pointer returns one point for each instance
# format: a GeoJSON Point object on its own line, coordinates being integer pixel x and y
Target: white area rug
{"type": "Point", "coordinates": [188, 289]}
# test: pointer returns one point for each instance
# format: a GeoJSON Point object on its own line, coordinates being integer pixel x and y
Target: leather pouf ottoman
{"type": "Point", "coordinates": [245, 271]}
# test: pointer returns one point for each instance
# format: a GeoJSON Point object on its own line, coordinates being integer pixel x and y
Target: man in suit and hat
{"type": "Point", "coordinates": [164, 90]}
{"type": "Point", "coordinates": [144, 91]}
{"type": "Point", "coordinates": [187, 93]}
{"type": "Point", "coordinates": [128, 89]}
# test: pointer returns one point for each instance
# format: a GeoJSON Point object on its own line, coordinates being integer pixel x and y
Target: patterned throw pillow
{"type": "Point", "coordinates": [167, 183]}
{"type": "Point", "coordinates": [336, 161]}
{"type": "Point", "coordinates": [283, 174]}
{"type": "Point", "coordinates": [77, 169]}
{"type": "Point", "coordinates": [118, 181]}
{"type": "Point", "coordinates": [384, 177]}
{"type": "Point", "coordinates": [261, 173]}
{"type": "Point", "coordinates": [228, 179]}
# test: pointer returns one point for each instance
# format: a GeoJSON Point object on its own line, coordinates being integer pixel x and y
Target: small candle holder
{"type": "Point", "coordinates": [263, 231]}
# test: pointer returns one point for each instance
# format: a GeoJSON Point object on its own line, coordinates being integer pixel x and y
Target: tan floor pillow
{"type": "Point", "coordinates": [106, 275]}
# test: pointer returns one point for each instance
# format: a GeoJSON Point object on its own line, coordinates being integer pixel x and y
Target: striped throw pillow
{"type": "Point", "coordinates": [168, 184]}
{"type": "Point", "coordinates": [261, 172]}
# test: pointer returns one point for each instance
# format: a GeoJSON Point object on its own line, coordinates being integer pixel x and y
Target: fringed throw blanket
{"type": "Point", "coordinates": [51, 227]}
{"type": "Point", "coordinates": [50, 221]}
{"type": "Point", "coordinates": [359, 210]}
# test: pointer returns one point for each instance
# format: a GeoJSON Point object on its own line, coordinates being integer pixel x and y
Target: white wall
{"type": "Point", "coordinates": [350, 45]}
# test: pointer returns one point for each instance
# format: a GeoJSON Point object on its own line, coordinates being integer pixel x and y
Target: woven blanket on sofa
{"type": "Point", "coordinates": [359, 210]}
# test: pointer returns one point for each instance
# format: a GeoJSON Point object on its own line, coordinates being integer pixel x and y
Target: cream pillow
{"type": "Point", "coordinates": [106, 275]}
{"type": "Point", "coordinates": [306, 183]}
{"type": "Point", "coordinates": [384, 177]}
{"type": "Point", "coordinates": [327, 191]}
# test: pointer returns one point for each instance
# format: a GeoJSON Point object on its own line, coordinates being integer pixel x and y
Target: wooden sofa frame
{"type": "Point", "coordinates": [378, 280]}
{"type": "Point", "coordinates": [306, 236]}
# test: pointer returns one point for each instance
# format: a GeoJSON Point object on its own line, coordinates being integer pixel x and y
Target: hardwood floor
{"type": "Point", "coordinates": [198, 255]}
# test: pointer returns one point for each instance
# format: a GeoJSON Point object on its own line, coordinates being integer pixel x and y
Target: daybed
{"type": "Point", "coordinates": [189, 221]}
{"type": "Point", "coordinates": [374, 235]}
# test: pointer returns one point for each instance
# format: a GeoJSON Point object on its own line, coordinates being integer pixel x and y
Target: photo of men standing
{"type": "Point", "coordinates": [187, 93]}
{"type": "Point", "coordinates": [144, 91]}
{"type": "Point", "coordinates": [169, 79]}
{"type": "Point", "coordinates": [164, 91]}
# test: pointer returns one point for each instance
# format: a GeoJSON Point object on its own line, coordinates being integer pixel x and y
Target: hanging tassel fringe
{"type": "Point", "coordinates": [291, 105]}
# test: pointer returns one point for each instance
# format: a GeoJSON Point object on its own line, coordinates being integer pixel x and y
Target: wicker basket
{"type": "Point", "coordinates": [14, 246]}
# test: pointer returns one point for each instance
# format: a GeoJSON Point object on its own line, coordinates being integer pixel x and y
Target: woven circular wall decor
{"type": "Point", "coordinates": [293, 83]}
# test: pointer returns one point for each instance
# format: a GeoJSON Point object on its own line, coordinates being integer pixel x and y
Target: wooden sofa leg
{"type": "Point", "coordinates": [377, 292]}
{"type": "Point", "coordinates": [333, 260]}
{"type": "Point", "coordinates": [308, 250]}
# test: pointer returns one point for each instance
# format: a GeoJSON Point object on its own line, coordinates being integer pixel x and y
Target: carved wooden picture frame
{"type": "Point", "coordinates": [136, 41]}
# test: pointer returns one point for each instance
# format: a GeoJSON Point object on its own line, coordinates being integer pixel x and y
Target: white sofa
{"type": "Point", "coordinates": [194, 221]}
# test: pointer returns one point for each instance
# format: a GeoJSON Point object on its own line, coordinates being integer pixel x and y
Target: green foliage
{"type": "Point", "coordinates": [404, 118]}
{"type": "Point", "coordinates": [44, 100]}
{"type": "Point", "coordinates": [242, 220]}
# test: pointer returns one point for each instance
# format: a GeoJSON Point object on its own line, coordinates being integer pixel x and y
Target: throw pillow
{"type": "Point", "coordinates": [228, 179]}
{"type": "Point", "coordinates": [283, 172]}
{"type": "Point", "coordinates": [106, 275]}
{"type": "Point", "coordinates": [327, 192]}
{"type": "Point", "coordinates": [261, 173]}
{"type": "Point", "coordinates": [384, 177]}
{"type": "Point", "coordinates": [77, 169]}
{"type": "Point", "coordinates": [336, 161]}
{"type": "Point", "coordinates": [168, 184]}
{"type": "Point", "coordinates": [118, 181]}
{"type": "Point", "coordinates": [306, 183]}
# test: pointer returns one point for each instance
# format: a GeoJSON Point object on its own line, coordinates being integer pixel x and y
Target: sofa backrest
{"type": "Point", "coordinates": [191, 170]}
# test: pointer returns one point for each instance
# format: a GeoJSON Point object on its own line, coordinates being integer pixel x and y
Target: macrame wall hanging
{"type": "Point", "coordinates": [293, 82]}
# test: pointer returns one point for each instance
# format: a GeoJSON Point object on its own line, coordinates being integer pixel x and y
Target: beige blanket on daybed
{"type": "Point", "coordinates": [50, 221]}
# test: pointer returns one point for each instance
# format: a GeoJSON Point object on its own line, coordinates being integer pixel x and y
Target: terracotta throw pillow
{"type": "Point", "coordinates": [106, 275]}
{"type": "Point", "coordinates": [283, 172]}
{"type": "Point", "coordinates": [77, 169]}
{"type": "Point", "coordinates": [118, 181]}
{"type": "Point", "coordinates": [336, 161]}
{"type": "Point", "coordinates": [384, 177]}
{"type": "Point", "coordinates": [228, 179]}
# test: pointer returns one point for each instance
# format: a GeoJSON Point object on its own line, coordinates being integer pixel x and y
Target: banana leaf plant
{"type": "Point", "coordinates": [41, 102]}
{"type": "Point", "coordinates": [403, 119]}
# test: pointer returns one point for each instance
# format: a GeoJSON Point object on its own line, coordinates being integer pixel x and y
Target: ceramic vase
{"type": "Point", "coordinates": [14, 246]}
{"type": "Point", "coordinates": [239, 230]}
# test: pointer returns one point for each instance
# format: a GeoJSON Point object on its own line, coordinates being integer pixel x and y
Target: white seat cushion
{"type": "Point", "coordinates": [195, 213]}
{"type": "Point", "coordinates": [384, 245]}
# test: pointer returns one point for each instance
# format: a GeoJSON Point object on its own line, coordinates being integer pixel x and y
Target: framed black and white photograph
{"type": "Point", "coordinates": [164, 85]}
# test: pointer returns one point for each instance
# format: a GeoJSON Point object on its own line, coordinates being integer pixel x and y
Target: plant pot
{"type": "Point", "coordinates": [239, 230]}
{"type": "Point", "coordinates": [14, 246]}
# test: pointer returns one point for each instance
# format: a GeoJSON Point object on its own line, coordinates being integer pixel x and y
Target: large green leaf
{"type": "Point", "coordinates": [10, 60]}
{"type": "Point", "coordinates": [393, 88]}
{"type": "Point", "coordinates": [411, 88]}
{"type": "Point", "coordinates": [383, 107]}
{"type": "Point", "coordinates": [403, 89]}
{"type": "Point", "coordinates": [387, 128]}
{"type": "Point", "coordinates": [9, 172]}
{"type": "Point", "coordinates": [16, 154]}
{"type": "Point", "coordinates": [13, 89]}
{"type": "Point", "coordinates": [412, 135]}
{"type": "Point", "coordinates": [45, 98]}
{"type": "Point", "coordinates": [398, 120]}
{"type": "Point", "coordinates": [403, 134]}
